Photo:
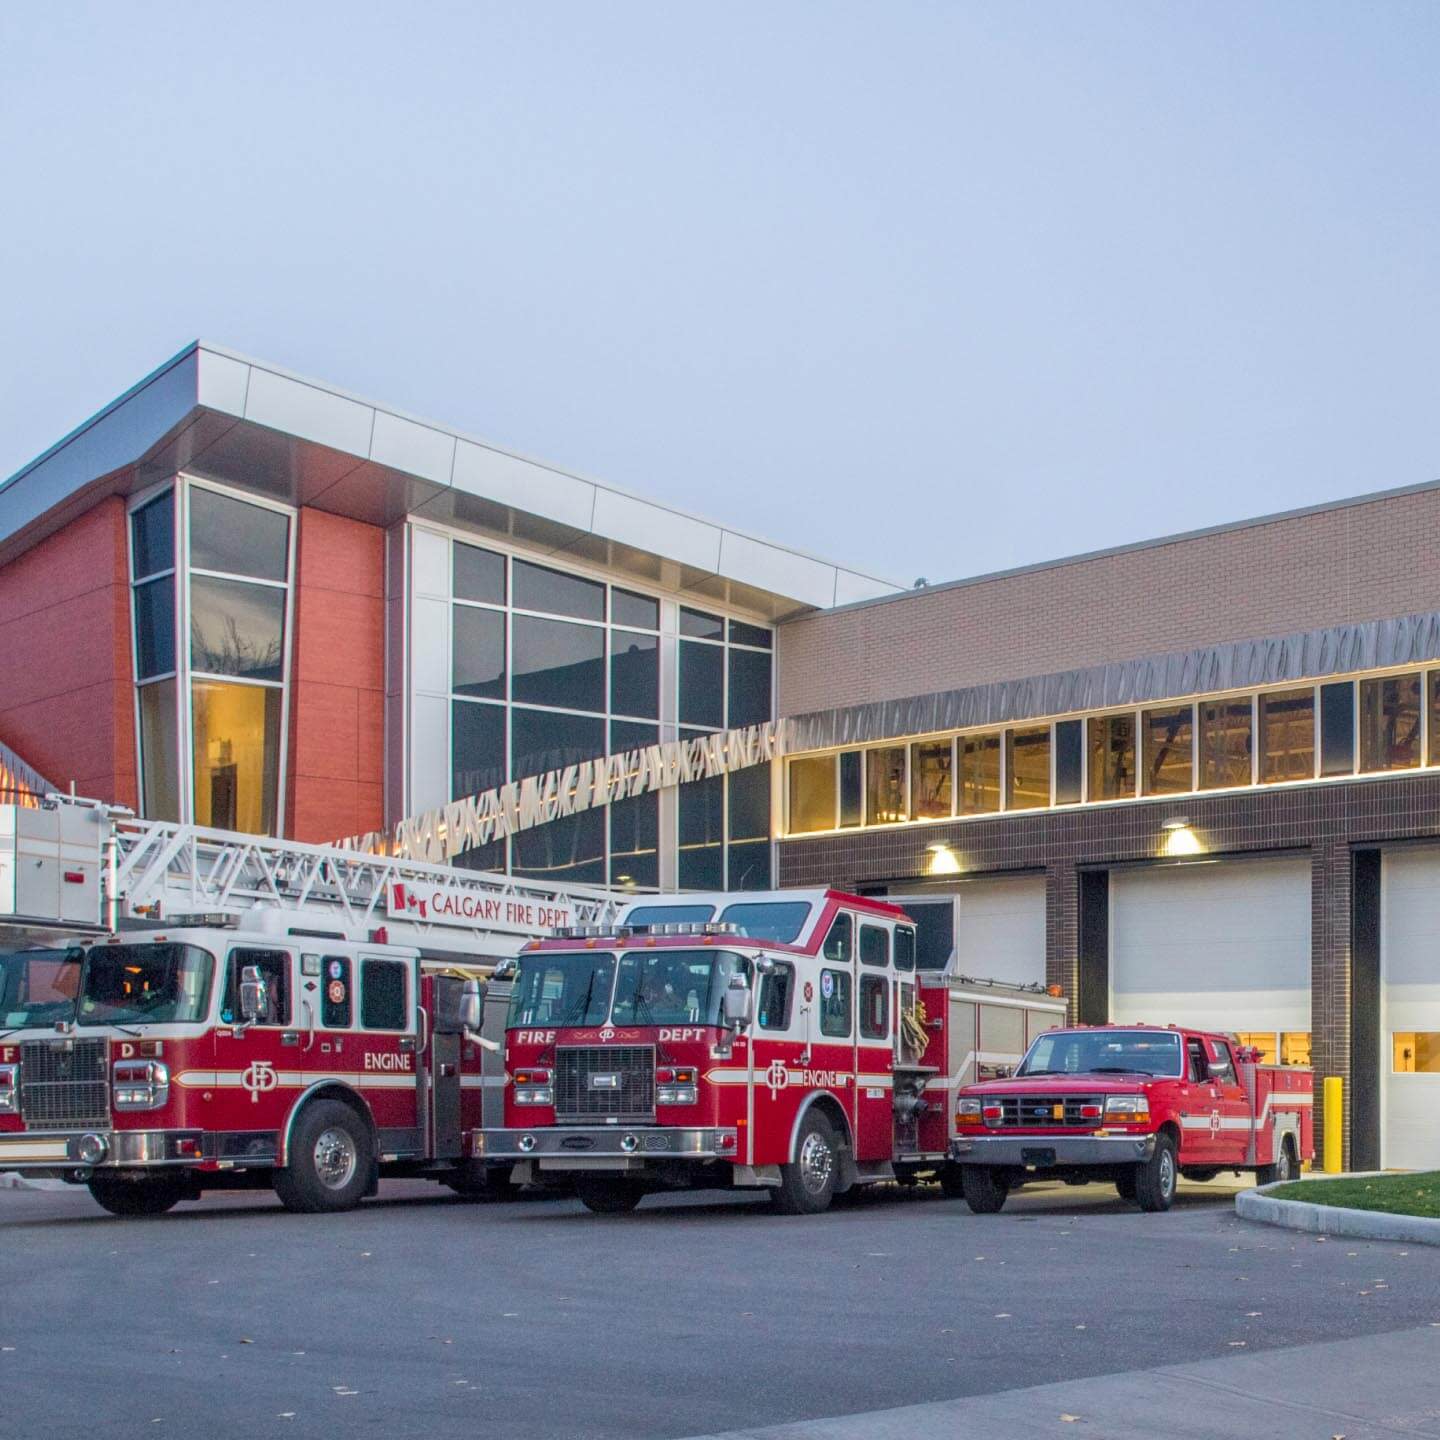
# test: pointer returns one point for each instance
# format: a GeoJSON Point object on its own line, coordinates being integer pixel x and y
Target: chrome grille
{"type": "Point", "coordinates": [63, 1084]}
{"type": "Point", "coordinates": [605, 1082]}
{"type": "Point", "coordinates": [1039, 1110]}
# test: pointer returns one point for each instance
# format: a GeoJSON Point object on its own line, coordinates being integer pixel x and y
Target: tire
{"type": "Point", "coordinates": [1125, 1185]}
{"type": "Point", "coordinates": [1156, 1179]}
{"type": "Point", "coordinates": [807, 1184]}
{"type": "Point", "coordinates": [1284, 1168]}
{"type": "Point", "coordinates": [137, 1197]}
{"type": "Point", "coordinates": [331, 1160]}
{"type": "Point", "coordinates": [986, 1188]}
{"type": "Point", "coordinates": [1208, 1172]}
{"type": "Point", "coordinates": [950, 1183]}
{"type": "Point", "coordinates": [483, 1183]}
{"type": "Point", "coordinates": [606, 1195]}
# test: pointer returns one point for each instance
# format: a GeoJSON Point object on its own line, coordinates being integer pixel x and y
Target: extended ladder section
{"type": "Point", "coordinates": [81, 866]}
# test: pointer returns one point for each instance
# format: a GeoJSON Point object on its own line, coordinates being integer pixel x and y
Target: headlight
{"type": "Point", "coordinates": [968, 1109]}
{"type": "Point", "coordinates": [534, 1087]}
{"type": "Point", "coordinates": [141, 1084]}
{"type": "Point", "coordinates": [1127, 1109]}
{"type": "Point", "coordinates": [676, 1085]}
{"type": "Point", "coordinates": [9, 1089]}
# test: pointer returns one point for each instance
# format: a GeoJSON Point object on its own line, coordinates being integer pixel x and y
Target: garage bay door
{"type": "Point", "coordinates": [1218, 946]}
{"type": "Point", "coordinates": [1000, 930]}
{"type": "Point", "coordinates": [1410, 1010]}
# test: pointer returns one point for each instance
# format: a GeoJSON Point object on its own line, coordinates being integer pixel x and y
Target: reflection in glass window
{"type": "Point", "coordinates": [634, 673]}
{"type": "Point", "coordinates": [757, 635]}
{"type": "Point", "coordinates": [839, 939]}
{"type": "Point", "coordinates": [1112, 756]}
{"type": "Point", "coordinates": [749, 688]}
{"type": "Point", "coordinates": [1390, 722]}
{"type": "Point", "coordinates": [556, 593]}
{"type": "Point", "coordinates": [874, 1007]}
{"type": "Point", "coordinates": [874, 945]}
{"type": "Point", "coordinates": [479, 575]}
{"type": "Point", "coordinates": [700, 625]}
{"type": "Point", "coordinates": [750, 803]}
{"type": "Point", "coordinates": [930, 764]}
{"type": "Point", "coordinates": [835, 1003]}
{"type": "Point", "coordinates": [236, 731]}
{"type": "Point", "coordinates": [477, 748]}
{"type": "Point", "coordinates": [979, 774]}
{"type": "Point", "coordinates": [479, 659]}
{"type": "Point", "coordinates": [237, 538]}
{"type": "Point", "coordinates": [237, 629]}
{"type": "Point", "coordinates": [152, 530]}
{"type": "Point", "coordinates": [556, 663]}
{"type": "Point", "coordinates": [1069, 762]}
{"type": "Point", "coordinates": [1167, 737]}
{"type": "Point", "coordinates": [749, 865]}
{"type": "Point", "coordinates": [1416, 1052]}
{"type": "Point", "coordinates": [159, 749]}
{"type": "Point", "coordinates": [155, 628]}
{"type": "Point", "coordinates": [631, 735]}
{"type": "Point", "coordinates": [635, 841]}
{"type": "Point", "coordinates": [884, 786]}
{"type": "Point", "coordinates": [1295, 1047]}
{"type": "Point", "coordinates": [1261, 1040]}
{"type": "Point", "coordinates": [1337, 728]}
{"type": "Point", "coordinates": [1224, 743]}
{"type": "Point", "coordinates": [628, 608]}
{"type": "Point", "coordinates": [702, 685]}
{"type": "Point", "coordinates": [702, 834]}
{"type": "Point", "coordinates": [541, 740]}
{"type": "Point", "coordinates": [1027, 768]}
{"type": "Point", "coordinates": [570, 849]}
{"type": "Point", "coordinates": [812, 794]}
{"type": "Point", "coordinates": [852, 788]}
{"type": "Point", "coordinates": [1287, 735]}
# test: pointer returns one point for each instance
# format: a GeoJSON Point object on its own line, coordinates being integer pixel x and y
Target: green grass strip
{"type": "Point", "coordinates": [1417, 1194]}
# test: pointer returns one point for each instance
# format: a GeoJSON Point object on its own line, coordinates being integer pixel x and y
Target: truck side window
{"type": "Point", "coordinates": [1222, 1068]}
{"type": "Point", "coordinates": [776, 992]}
{"type": "Point", "coordinates": [382, 995]}
{"type": "Point", "coordinates": [274, 967]}
{"type": "Point", "coordinates": [835, 1003]}
{"type": "Point", "coordinates": [1196, 1067]}
{"type": "Point", "coordinates": [874, 945]}
{"type": "Point", "coordinates": [839, 943]}
{"type": "Point", "coordinates": [874, 1007]}
{"type": "Point", "coordinates": [904, 947]}
{"type": "Point", "coordinates": [336, 1008]}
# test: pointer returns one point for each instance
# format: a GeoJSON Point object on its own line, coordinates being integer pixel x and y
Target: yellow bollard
{"type": "Point", "coordinates": [1334, 1124]}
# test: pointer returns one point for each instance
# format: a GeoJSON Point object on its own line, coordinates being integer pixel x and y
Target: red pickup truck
{"type": "Point", "coordinates": [1139, 1105]}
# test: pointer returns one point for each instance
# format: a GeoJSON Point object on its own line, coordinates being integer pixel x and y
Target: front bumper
{"type": "Point", "coordinates": [580, 1146]}
{"type": "Point", "coordinates": [99, 1149]}
{"type": "Point", "coordinates": [1051, 1151]}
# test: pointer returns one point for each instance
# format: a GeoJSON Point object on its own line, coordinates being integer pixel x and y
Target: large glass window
{"type": "Point", "coordinates": [1112, 756]}
{"type": "Point", "coordinates": [236, 746]}
{"type": "Point", "coordinates": [749, 688]}
{"type": "Point", "coordinates": [884, 786]}
{"type": "Point", "coordinates": [852, 788]}
{"type": "Point", "coordinates": [1287, 735]}
{"type": "Point", "coordinates": [477, 748]}
{"type": "Point", "coordinates": [1337, 728]}
{"type": "Point", "coordinates": [1225, 743]}
{"type": "Point", "coordinates": [979, 774]}
{"type": "Point", "coordinates": [237, 628]}
{"type": "Point", "coordinates": [542, 740]}
{"type": "Point", "coordinates": [1433, 681]}
{"type": "Point", "coordinates": [812, 794]}
{"type": "Point", "coordinates": [642, 612]}
{"type": "Point", "coordinates": [479, 575]}
{"type": "Point", "coordinates": [571, 849]}
{"type": "Point", "coordinates": [556, 663]}
{"type": "Point", "coordinates": [930, 766]}
{"type": "Point", "coordinates": [702, 684]}
{"type": "Point", "coordinates": [635, 842]}
{"type": "Point", "coordinates": [159, 745]}
{"type": "Point", "coordinates": [702, 834]}
{"type": "Point", "coordinates": [155, 628]}
{"type": "Point", "coordinates": [1390, 722]}
{"type": "Point", "coordinates": [1167, 742]}
{"type": "Point", "coordinates": [1069, 762]}
{"type": "Point", "coordinates": [152, 532]}
{"type": "Point", "coordinates": [634, 674]}
{"type": "Point", "coordinates": [234, 537]}
{"type": "Point", "coordinates": [479, 659]}
{"type": "Point", "coordinates": [1027, 768]}
{"type": "Point", "coordinates": [554, 592]}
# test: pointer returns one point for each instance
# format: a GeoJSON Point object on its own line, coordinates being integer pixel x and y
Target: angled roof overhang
{"type": "Point", "coordinates": [221, 416]}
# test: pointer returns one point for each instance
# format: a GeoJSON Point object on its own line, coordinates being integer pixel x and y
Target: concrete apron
{"type": "Point", "coordinates": [1260, 1205]}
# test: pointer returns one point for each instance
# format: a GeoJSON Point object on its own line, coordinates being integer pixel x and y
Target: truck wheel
{"type": "Point", "coordinates": [985, 1187]}
{"type": "Point", "coordinates": [1155, 1180]}
{"type": "Point", "coordinates": [1284, 1168]}
{"type": "Point", "coordinates": [330, 1160]}
{"type": "Point", "coordinates": [1125, 1187]}
{"type": "Point", "coordinates": [605, 1195]}
{"type": "Point", "coordinates": [483, 1182]}
{"type": "Point", "coordinates": [951, 1185]}
{"type": "Point", "coordinates": [137, 1197]}
{"type": "Point", "coordinates": [807, 1186]}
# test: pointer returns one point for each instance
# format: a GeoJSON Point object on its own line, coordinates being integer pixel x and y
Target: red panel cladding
{"type": "Point", "coordinates": [337, 680]}
{"type": "Point", "coordinates": [67, 705]}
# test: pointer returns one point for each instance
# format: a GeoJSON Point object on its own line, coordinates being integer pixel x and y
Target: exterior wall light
{"type": "Point", "coordinates": [1180, 839]}
{"type": "Point", "coordinates": [943, 860]}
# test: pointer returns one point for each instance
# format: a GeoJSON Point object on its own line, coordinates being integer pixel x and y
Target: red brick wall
{"type": "Point", "coordinates": [66, 694]}
{"type": "Point", "coordinates": [1360, 562]}
{"type": "Point", "coordinates": [337, 671]}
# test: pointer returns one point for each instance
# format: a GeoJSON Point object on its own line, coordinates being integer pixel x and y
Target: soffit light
{"type": "Point", "coordinates": [1180, 839]}
{"type": "Point", "coordinates": [943, 860]}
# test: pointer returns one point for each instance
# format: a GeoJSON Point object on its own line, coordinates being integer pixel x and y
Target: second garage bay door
{"type": "Point", "coordinates": [1219, 946]}
{"type": "Point", "coordinates": [1000, 930]}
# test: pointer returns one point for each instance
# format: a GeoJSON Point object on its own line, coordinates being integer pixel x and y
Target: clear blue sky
{"type": "Point", "coordinates": [932, 289]}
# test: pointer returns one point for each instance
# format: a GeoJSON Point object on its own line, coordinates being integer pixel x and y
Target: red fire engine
{"type": "Point", "coordinates": [1140, 1105]}
{"type": "Point", "coordinates": [319, 1026]}
{"type": "Point", "coordinates": [783, 1040]}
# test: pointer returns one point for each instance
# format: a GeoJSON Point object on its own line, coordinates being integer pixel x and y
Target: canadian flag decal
{"type": "Point", "coordinates": [405, 900]}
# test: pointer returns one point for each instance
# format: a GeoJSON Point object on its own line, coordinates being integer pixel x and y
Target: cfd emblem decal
{"type": "Point", "coordinates": [777, 1077]}
{"type": "Point", "coordinates": [259, 1079]}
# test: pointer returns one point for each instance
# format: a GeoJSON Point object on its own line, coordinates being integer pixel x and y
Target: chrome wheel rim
{"type": "Point", "coordinates": [817, 1164]}
{"type": "Point", "coordinates": [1167, 1173]}
{"type": "Point", "coordinates": [336, 1158]}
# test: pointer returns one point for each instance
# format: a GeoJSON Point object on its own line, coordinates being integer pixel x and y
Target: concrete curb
{"type": "Point", "coordinates": [1262, 1207]}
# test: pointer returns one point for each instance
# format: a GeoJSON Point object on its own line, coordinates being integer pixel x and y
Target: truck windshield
{"type": "Point", "coordinates": [558, 988]}
{"type": "Point", "coordinates": [1100, 1052]}
{"type": "Point", "coordinates": [38, 987]}
{"type": "Point", "coordinates": [673, 987]}
{"type": "Point", "coordinates": [145, 984]}
{"type": "Point", "coordinates": [779, 920]}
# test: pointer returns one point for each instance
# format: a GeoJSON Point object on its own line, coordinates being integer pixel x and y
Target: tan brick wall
{"type": "Point", "coordinates": [1360, 562]}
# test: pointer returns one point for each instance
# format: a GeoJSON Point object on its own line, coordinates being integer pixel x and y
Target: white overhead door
{"type": "Point", "coordinates": [1217, 946]}
{"type": "Point", "coordinates": [1000, 930]}
{"type": "Point", "coordinates": [1410, 1010]}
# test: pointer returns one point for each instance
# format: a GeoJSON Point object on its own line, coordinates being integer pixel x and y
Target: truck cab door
{"type": "Point", "coordinates": [1233, 1138]}
{"type": "Point", "coordinates": [1199, 1106]}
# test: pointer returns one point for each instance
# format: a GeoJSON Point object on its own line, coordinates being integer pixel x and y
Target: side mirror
{"type": "Point", "coordinates": [254, 994]}
{"type": "Point", "coordinates": [472, 1005]}
{"type": "Point", "coordinates": [736, 1003]}
{"type": "Point", "coordinates": [764, 965]}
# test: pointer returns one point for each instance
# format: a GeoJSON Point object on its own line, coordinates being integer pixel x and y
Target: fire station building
{"type": "Point", "coordinates": [1196, 779]}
